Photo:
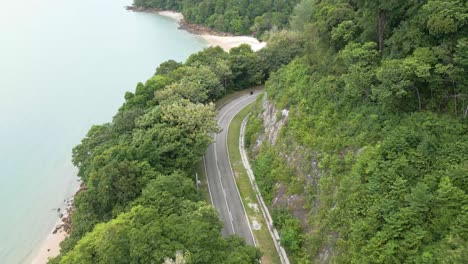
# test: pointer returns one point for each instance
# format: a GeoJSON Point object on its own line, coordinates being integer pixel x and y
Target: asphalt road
{"type": "Point", "coordinates": [224, 194]}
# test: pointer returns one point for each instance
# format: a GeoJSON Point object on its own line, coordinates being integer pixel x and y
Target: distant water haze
{"type": "Point", "coordinates": [64, 65]}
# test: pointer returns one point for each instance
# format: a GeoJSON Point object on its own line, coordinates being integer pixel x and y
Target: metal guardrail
{"type": "Point", "coordinates": [266, 213]}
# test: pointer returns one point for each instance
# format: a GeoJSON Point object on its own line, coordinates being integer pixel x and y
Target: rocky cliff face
{"type": "Point", "coordinates": [301, 161]}
{"type": "Point", "coordinates": [273, 120]}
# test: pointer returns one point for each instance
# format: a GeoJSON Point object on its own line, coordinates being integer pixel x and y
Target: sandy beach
{"type": "Point", "coordinates": [174, 15]}
{"type": "Point", "coordinates": [50, 247]}
{"type": "Point", "coordinates": [229, 42]}
{"type": "Point", "coordinates": [225, 42]}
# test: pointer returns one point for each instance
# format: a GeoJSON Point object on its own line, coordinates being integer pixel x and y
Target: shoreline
{"type": "Point", "coordinates": [224, 40]}
{"type": "Point", "coordinates": [50, 246]}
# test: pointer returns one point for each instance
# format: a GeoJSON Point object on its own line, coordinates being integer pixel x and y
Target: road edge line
{"type": "Point", "coordinates": [223, 189]}
{"type": "Point", "coordinates": [207, 181]}
{"type": "Point", "coordinates": [234, 177]}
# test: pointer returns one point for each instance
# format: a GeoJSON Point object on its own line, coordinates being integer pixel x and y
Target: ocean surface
{"type": "Point", "coordinates": [64, 65]}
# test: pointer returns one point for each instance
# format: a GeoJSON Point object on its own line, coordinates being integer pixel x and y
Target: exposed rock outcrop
{"type": "Point", "coordinates": [303, 164]}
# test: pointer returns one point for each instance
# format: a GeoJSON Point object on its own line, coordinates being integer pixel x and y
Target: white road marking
{"type": "Point", "coordinates": [235, 183]}
{"type": "Point", "coordinates": [224, 191]}
{"type": "Point", "coordinates": [225, 112]}
{"type": "Point", "coordinates": [207, 181]}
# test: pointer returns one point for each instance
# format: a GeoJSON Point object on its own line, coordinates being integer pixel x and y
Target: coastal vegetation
{"type": "Point", "coordinates": [238, 17]}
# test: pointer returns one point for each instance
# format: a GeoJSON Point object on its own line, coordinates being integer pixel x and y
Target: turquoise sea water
{"type": "Point", "coordinates": [64, 65]}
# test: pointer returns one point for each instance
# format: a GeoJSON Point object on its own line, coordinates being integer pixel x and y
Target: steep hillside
{"type": "Point", "coordinates": [361, 145]}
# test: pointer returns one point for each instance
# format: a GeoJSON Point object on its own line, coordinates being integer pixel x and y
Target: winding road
{"type": "Point", "coordinates": [222, 186]}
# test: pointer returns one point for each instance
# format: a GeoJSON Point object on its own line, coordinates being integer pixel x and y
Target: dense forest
{"type": "Point", "coordinates": [376, 139]}
{"type": "Point", "coordinates": [138, 202]}
{"type": "Point", "coordinates": [234, 16]}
